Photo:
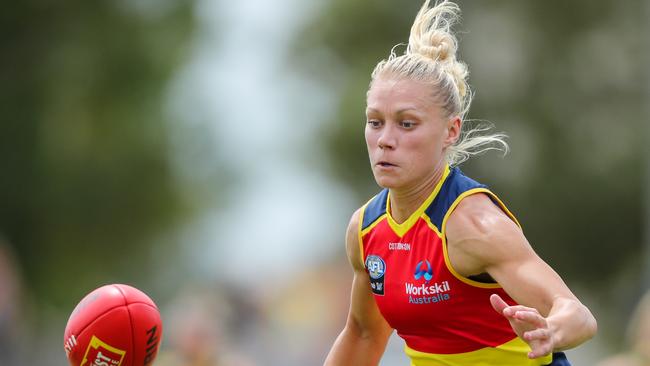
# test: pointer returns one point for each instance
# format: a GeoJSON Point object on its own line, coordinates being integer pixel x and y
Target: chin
{"type": "Point", "coordinates": [387, 182]}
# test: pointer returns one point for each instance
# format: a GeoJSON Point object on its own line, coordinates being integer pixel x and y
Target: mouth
{"type": "Point", "coordinates": [385, 164]}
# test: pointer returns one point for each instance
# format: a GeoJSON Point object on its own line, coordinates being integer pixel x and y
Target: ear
{"type": "Point", "coordinates": [453, 128]}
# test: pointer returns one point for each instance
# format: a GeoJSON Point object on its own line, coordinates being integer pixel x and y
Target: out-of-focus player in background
{"type": "Point", "coordinates": [637, 352]}
{"type": "Point", "coordinates": [436, 255]}
{"type": "Point", "coordinates": [11, 308]}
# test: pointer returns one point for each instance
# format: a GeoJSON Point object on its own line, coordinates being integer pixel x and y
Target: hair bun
{"type": "Point", "coordinates": [431, 34]}
{"type": "Point", "coordinates": [440, 48]}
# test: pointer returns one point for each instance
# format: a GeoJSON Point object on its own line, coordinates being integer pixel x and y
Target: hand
{"type": "Point", "coordinates": [529, 325]}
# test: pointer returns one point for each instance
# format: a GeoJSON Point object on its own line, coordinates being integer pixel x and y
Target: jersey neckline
{"type": "Point", "coordinates": [404, 227]}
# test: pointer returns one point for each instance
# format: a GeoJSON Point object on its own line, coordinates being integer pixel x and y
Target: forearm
{"type": "Point", "coordinates": [354, 349]}
{"type": "Point", "coordinates": [571, 323]}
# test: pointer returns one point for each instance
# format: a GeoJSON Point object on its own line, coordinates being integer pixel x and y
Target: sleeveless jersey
{"type": "Point", "coordinates": [443, 317]}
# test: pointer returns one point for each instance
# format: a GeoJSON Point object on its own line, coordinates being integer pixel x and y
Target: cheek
{"type": "Point", "coordinates": [437, 143]}
{"type": "Point", "coordinates": [371, 139]}
{"type": "Point", "coordinates": [427, 151]}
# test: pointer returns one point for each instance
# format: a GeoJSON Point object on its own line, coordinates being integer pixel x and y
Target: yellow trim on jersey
{"type": "Point", "coordinates": [362, 232]}
{"type": "Point", "coordinates": [360, 236]}
{"type": "Point", "coordinates": [505, 209]}
{"type": "Point", "coordinates": [401, 229]}
{"type": "Point", "coordinates": [444, 240]}
{"type": "Point", "coordinates": [512, 353]}
{"type": "Point", "coordinates": [372, 226]}
{"type": "Point", "coordinates": [433, 227]}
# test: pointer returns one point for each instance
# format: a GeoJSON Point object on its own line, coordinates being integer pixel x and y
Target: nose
{"type": "Point", "coordinates": [387, 138]}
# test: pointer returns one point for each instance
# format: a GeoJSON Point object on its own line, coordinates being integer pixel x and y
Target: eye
{"type": "Point", "coordinates": [374, 123]}
{"type": "Point", "coordinates": [407, 124]}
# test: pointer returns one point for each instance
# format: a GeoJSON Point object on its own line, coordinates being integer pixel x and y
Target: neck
{"type": "Point", "coordinates": [404, 201]}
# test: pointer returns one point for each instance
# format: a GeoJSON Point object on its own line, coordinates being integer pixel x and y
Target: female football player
{"type": "Point", "coordinates": [437, 256]}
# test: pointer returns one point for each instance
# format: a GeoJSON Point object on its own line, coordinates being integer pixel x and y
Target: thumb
{"type": "Point", "coordinates": [498, 304]}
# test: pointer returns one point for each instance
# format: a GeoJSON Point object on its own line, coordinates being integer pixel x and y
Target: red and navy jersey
{"type": "Point", "coordinates": [443, 317]}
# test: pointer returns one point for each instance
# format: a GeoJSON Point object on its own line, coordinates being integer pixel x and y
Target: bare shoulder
{"type": "Point", "coordinates": [477, 216]}
{"type": "Point", "coordinates": [352, 245]}
{"type": "Point", "coordinates": [482, 233]}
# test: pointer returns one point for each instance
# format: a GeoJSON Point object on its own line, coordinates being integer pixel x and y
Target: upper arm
{"type": "Point", "coordinates": [352, 244]}
{"type": "Point", "coordinates": [482, 238]}
{"type": "Point", "coordinates": [364, 316]}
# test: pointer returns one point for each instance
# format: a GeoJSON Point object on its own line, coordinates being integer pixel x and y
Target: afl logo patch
{"type": "Point", "coordinates": [376, 266]}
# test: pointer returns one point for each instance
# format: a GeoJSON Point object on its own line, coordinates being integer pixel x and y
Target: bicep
{"type": "Point", "coordinates": [364, 316]}
{"type": "Point", "coordinates": [493, 243]}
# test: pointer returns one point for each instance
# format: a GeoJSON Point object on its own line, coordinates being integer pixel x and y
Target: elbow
{"type": "Point", "coordinates": [591, 326]}
{"type": "Point", "coordinates": [368, 334]}
{"type": "Point", "coordinates": [357, 330]}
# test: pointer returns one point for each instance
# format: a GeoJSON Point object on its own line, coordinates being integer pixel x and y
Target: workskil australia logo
{"type": "Point", "coordinates": [423, 269]}
{"type": "Point", "coordinates": [427, 292]}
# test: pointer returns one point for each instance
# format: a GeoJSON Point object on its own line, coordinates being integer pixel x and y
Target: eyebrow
{"type": "Point", "coordinates": [399, 111]}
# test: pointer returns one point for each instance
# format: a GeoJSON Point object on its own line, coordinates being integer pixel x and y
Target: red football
{"type": "Point", "coordinates": [115, 325]}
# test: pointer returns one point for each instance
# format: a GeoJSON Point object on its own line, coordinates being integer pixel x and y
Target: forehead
{"type": "Point", "coordinates": [388, 93]}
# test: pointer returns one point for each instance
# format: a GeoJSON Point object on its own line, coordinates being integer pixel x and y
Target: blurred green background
{"type": "Point", "coordinates": [211, 152]}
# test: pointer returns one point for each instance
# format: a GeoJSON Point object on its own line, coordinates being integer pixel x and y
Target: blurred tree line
{"type": "Point", "coordinates": [86, 176]}
{"type": "Point", "coordinates": [565, 80]}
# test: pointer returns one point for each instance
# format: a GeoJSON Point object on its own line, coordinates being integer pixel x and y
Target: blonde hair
{"type": "Point", "coordinates": [430, 57]}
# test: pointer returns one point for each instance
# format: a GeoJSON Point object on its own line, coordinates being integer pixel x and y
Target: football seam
{"type": "Point", "coordinates": [126, 304]}
{"type": "Point", "coordinates": [131, 322]}
{"type": "Point", "coordinates": [108, 310]}
{"type": "Point", "coordinates": [95, 319]}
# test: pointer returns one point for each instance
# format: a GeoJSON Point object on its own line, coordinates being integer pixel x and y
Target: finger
{"type": "Point", "coordinates": [541, 349]}
{"type": "Point", "coordinates": [498, 304]}
{"type": "Point", "coordinates": [510, 311]}
{"type": "Point", "coordinates": [531, 317]}
{"type": "Point", "coordinates": [516, 308]}
{"type": "Point", "coordinates": [537, 334]}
